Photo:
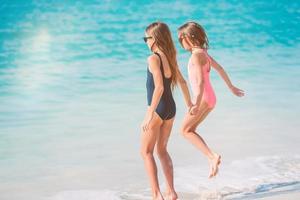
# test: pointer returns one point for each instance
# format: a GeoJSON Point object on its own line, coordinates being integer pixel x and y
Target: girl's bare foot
{"type": "Point", "coordinates": [211, 171]}
{"type": "Point", "coordinates": [171, 195]}
{"type": "Point", "coordinates": [214, 162]}
{"type": "Point", "coordinates": [158, 197]}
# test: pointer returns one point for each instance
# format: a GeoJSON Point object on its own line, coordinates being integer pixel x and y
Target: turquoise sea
{"type": "Point", "coordinates": [73, 96]}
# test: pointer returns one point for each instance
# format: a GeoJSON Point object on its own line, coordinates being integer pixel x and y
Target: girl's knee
{"type": "Point", "coordinates": [161, 151]}
{"type": "Point", "coordinates": [146, 153]}
{"type": "Point", "coordinates": [185, 130]}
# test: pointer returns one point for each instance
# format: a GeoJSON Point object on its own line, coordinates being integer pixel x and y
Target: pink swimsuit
{"type": "Point", "coordinates": [208, 93]}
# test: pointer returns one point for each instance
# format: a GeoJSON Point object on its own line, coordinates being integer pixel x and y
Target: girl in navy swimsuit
{"type": "Point", "coordinates": [166, 108]}
{"type": "Point", "coordinates": [162, 76]}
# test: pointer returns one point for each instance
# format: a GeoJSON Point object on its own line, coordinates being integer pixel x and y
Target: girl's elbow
{"type": "Point", "coordinates": [159, 89]}
{"type": "Point", "coordinates": [200, 85]}
{"type": "Point", "coordinates": [220, 69]}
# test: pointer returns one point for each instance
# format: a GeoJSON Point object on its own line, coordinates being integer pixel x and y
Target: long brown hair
{"type": "Point", "coordinates": [196, 34]}
{"type": "Point", "coordinates": [163, 40]}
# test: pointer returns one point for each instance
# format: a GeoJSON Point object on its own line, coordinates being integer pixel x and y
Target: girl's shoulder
{"type": "Point", "coordinates": [153, 61]}
{"type": "Point", "coordinates": [199, 58]}
{"type": "Point", "coordinates": [153, 58]}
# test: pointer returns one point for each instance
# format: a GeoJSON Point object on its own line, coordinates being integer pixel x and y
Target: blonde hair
{"type": "Point", "coordinates": [196, 34]}
{"type": "Point", "coordinates": [163, 40]}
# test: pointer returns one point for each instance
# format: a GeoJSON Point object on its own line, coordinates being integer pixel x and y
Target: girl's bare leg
{"type": "Point", "coordinates": [148, 142]}
{"type": "Point", "coordinates": [165, 159]}
{"type": "Point", "coordinates": [189, 126]}
{"type": "Point", "coordinates": [216, 159]}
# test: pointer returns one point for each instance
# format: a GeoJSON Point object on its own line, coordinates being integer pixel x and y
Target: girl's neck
{"type": "Point", "coordinates": [196, 48]}
{"type": "Point", "coordinates": [157, 51]}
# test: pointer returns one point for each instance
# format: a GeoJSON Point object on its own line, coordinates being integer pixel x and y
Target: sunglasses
{"type": "Point", "coordinates": [146, 38]}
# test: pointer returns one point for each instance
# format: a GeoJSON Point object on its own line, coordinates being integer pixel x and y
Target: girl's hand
{"type": "Point", "coordinates": [238, 92]}
{"type": "Point", "coordinates": [147, 120]}
{"type": "Point", "coordinates": [194, 110]}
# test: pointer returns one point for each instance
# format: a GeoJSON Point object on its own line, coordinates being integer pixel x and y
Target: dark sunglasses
{"type": "Point", "coordinates": [146, 38]}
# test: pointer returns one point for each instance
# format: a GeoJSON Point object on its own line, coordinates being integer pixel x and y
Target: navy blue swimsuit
{"type": "Point", "coordinates": [166, 108]}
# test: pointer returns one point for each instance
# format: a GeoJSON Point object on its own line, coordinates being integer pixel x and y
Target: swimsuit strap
{"type": "Point", "coordinates": [208, 59]}
{"type": "Point", "coordinates": [161, 65]}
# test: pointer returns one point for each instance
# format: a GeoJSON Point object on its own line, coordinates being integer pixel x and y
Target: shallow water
{"type": "Point", "coordinates": [72, 93]}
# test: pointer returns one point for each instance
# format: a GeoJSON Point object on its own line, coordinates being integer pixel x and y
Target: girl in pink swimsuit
{"type": "Point", "coordinates": [193, 38]}
{"type": "Point", "coordinates": [208, 92]}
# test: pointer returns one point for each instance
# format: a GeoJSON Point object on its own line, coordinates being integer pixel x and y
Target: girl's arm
{"type": "Point", "coordinates": [184, 88]}
{"type": "Point", "coordinates": [199, 60]}
{"type": "Point", "coordinates": [154, 67]}
{"type": "Point", "coordinates": [223, 74]}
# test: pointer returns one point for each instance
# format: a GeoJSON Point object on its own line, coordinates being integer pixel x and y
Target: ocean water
{"type": "Point", "coordinates": [72, 97]}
